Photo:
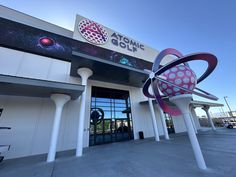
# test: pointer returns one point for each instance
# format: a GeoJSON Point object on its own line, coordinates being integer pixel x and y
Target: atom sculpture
{"type": "Point", "coordinates": [176, 78]}
{"type": "Point", "coordinates": [178, 82]}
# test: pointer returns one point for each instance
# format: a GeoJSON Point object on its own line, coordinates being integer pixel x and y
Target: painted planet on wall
{"type": "Point", "coordinates": [46, 41]}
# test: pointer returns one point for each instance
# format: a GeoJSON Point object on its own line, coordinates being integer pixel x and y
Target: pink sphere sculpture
{"type": "Point", "coordinates": [181, 76]}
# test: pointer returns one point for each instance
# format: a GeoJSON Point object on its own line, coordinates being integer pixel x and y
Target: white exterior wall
{"type": "Point", "coordinates": [31, 118]}
{"type": "Point", "coordinates": [179, 124]}
{"type": "Point", "coordinates": [195, 119]}
{"type": "Point", "coordinates": [142, 116]}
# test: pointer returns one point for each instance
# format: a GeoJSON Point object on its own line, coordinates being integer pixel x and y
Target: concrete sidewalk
{"type": "Point", "coordinates": [141, 158]}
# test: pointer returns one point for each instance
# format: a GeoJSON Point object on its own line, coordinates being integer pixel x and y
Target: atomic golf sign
{"type": "Point", "coordinates": [100, 35]}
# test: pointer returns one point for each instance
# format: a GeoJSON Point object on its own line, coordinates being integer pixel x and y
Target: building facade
{"type": "Point", "coordinates": [39, 59]}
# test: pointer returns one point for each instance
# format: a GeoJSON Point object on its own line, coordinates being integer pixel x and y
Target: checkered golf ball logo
{"type": "Point", "coordinates": [180, 75]}
{"type": "Point", "coordinates": [93, 32]}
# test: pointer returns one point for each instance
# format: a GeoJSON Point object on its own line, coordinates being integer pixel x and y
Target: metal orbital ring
{"type": "Point", "coordinates": [157, 71]}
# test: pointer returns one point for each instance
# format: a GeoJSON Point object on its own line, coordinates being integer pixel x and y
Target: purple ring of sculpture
{"type": "Point", "coordinates": [209, 58]}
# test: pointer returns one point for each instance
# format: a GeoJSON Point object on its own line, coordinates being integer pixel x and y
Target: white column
{"type": "Point", "coordinates": [59, 100]}
{"type": "Point", "coordinates": [191, 116]}
{"type": "Point", "coordinates": [84, 73]}
{"type": "Point", "coordinates": [183, 101]}
{"type": "Point", "coordinates": [154, 122]}
{"type": "Point", "coordinates": [194, 125]}
{"type": "Point", "coordinates": [206, 109]}
{"type": "Point", "coordinates": [163, 122]}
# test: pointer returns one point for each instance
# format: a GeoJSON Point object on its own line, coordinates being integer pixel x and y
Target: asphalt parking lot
{"type": "Point", "coordinates": [140, 158]}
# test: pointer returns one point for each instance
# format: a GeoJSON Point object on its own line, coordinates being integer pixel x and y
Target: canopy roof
{"type": "Point", "coordinates": [19, 86]}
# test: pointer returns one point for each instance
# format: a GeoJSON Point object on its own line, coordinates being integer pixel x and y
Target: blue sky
{"type": "Point", "coordinates": [187, 25]}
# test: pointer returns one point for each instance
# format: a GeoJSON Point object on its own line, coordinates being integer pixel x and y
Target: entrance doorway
{"type": "Point", "coordinates": [169, 123]}
{"type": "Point", "coordinates": [110, 118]}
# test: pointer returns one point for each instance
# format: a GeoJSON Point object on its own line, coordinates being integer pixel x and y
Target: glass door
{"type": "Point", "coordinates": [169, 124]}
{"type": "Point", "coordinates": [110, 119]}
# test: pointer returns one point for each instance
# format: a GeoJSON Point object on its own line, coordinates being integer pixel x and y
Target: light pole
{"type": "Point", "coordinates": [231, 114]}
{"type": "Point", "coordinates": [224, 114]}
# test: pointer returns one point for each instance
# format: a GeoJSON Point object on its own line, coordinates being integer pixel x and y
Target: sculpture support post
{"type": "Point", "coordinates": [194, 126]}
{"type": "Point", "coordinates": [206, 109]}
{"type": "Point", "coordinates": [163, 122]}
{"type": "Point", "coordinates": [154, 121]}
{"type": "Point", "coordinates": [182, 102]}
